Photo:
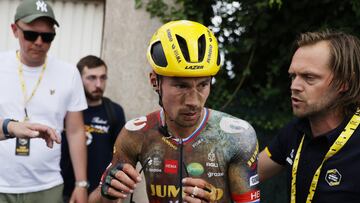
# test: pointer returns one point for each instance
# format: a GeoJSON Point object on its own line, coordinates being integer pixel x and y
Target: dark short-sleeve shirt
{"type": "Point", "coordinates": [339, 180]}
{"type": "Point", "coordinates": [100, 143]}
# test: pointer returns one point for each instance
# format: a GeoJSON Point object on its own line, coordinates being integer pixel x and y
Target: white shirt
{"type": "Point", "coordinates": [60, 91]}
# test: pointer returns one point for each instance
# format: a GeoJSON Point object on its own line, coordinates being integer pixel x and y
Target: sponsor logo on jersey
{"type": "Point", "coordinates": [195, 169]}
{"type": "Point", "coordinates": [333, 177]}
{"type": "Point", "coordinates": [154, 164]}
{"type": "Point", "coordinates": [212, 174]}
{"type": "Point", "coordinates": [233, 125]}
{"type": "Point", "coordinates": [154, 170]}
{"type": "Point", "coordinates": [212, 164]}
{"type": "Point", "coordinates": [211, 156]}
{"type": "Point", "coordinates": [251, 161]}
{"type": "Point", "coordinates": [136, 124]}
{"type": "Point", "coordinates": [197, 142]}
{"type": "Point", "coordinates": [164, 190]}
{"type": "Point", "coordinates": [171, 166]}
{"type": "Point", "coordinates": [156, 161]}
{"type": "Point", "coordinates": [254, 180]}
{"type": "Point", "coordinates": [218, 194]}
{"type": "Point", "coordinates": [172, 191]}
{"type": "Point", "coordinates": [252, 196]}
{"type": "Point", "coordinates": [169, 143]}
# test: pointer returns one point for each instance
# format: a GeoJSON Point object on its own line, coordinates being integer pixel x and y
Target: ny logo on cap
{"type": "Point", "coordinates": [41, 6]}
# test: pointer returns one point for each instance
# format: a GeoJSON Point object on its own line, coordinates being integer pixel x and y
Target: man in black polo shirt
{"type": "Point", "coordinates": [320, 149]}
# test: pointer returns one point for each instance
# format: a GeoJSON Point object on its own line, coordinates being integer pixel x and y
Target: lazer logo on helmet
{"type": "Point", "coordinates": [193, 67]}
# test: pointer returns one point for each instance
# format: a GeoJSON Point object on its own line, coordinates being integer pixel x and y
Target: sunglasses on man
{"type": "Point", "coordinates": [32, 36]}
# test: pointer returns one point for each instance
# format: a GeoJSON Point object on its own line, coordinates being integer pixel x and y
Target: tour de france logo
{"type": "Point", "coordinates": [333, 177]}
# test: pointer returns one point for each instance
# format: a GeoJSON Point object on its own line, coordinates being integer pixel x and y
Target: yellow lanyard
{"type": "Point", "coordinates": [338, 144]}
{"type": "Point", "coordinates": [23, 85]}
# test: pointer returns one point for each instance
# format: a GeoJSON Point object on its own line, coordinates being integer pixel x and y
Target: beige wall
{"type": "Point", "coordinates": [126, 34]}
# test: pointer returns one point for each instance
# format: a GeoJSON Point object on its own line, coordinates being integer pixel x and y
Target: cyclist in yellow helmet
{"type": "Point", "coordinates": [188, 153]}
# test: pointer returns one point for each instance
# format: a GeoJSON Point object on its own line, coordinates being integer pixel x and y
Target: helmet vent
{"type": "Point", "coordinates": [183, 47]}
{"type": "Point", "coordinates": [201, 46]}
{"type": "Point", "coordinates": [158, 55]}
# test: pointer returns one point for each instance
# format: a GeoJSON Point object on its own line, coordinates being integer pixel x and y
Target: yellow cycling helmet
{"type": "Point", "coordinates": [184, 49]}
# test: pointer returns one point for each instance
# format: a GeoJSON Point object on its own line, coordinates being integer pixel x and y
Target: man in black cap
{"type": "Point", "coordinates": [39, 88]}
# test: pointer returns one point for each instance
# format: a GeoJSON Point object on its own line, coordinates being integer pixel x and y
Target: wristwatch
{"type": "Point", "coordinates": [5, 124]}
{"type": "Point", "coordinates": [82, 183]}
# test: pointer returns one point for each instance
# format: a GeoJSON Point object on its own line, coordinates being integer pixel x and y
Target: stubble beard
{"type": "Point", "coordinates": [325, 105]}
{"type": "Point", "coordinates": [181, 122]}
{"type": "Point", "coordinates": [185, 124]}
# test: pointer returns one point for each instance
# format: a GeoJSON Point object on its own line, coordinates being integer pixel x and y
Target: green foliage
{"type": "Point", "coordinates": [256, 39]}
{"type": "Point", "coordinates": [179, 9]}
{"type": "Point", "coordinates": [273, 3]}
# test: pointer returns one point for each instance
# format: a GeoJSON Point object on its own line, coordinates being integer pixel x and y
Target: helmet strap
{"type": "Point", "coordinates": [159, 92]}
{"type": "Point", "coordinates": [163, 128]}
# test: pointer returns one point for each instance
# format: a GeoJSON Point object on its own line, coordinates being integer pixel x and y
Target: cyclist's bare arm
{"type": "Point", "coordinates": [243, 177]}
{"type": "Point", "coordinates": [120, 178]}
{"type": "Point", "coordinates": [267, 168]}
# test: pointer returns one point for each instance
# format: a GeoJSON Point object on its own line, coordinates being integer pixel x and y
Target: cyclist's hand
{"type": "Point", "coordinates": [198, 191]}
{"type": "Point", "coordinates": [119, 180]}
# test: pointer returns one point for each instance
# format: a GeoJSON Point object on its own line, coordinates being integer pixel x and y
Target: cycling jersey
{"type": "Point", "coordinates": [222, 151]}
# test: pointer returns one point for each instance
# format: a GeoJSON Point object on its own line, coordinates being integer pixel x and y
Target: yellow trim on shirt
{"type": "Point", "coordinates": [267, 151]}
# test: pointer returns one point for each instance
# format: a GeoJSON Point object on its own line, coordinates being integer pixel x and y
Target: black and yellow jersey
{"type": "Point", "coordinates": [222, 150]}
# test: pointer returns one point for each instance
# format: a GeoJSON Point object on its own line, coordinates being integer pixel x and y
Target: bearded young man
{"type": "Point", "coordinates": [103, 121]}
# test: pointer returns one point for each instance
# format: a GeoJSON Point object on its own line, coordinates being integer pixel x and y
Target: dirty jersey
{"type": "Point", "coordinates": [222, 151]}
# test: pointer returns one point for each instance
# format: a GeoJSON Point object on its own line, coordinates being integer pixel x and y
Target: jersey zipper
{"type": "Point", "coordinates": [181, 171]}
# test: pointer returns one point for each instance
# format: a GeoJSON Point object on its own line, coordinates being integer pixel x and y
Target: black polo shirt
{"type": "Point", "coordinates": [339, 179]}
